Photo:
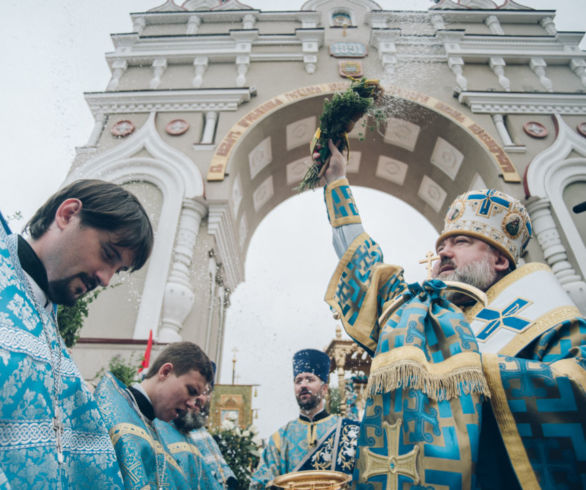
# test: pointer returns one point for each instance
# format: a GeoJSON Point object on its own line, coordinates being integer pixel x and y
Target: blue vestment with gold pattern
{"type": "Point", "coordinates": [434, 366]}
{"type": "Point", "coordinates": [212, 456]}
{"type": "Point", "coordinates": [328, 443]}
{"type": "Point", "coordinates": [144, 458]}
{"type": "Point", "coordinates": [33, 356]}
{"type": "Point", "coordinates": [187, 455]}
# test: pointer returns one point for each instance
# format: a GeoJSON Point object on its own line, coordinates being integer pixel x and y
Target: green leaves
{"type": "Point", "coordinates": [336, 121]}
{"type": "Point", "coordinates": [240, 448]}
{"type": "Point", "coordinates": [70, 318]}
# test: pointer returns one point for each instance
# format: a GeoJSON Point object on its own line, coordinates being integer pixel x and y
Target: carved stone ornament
{"type": "Point", "coordinates": [582, 128]}
{"type": "Point", "coordinates": [350, 69]}
{"type": "Point", "coordinates": [177, 127]}
{"type": "Point", "coordinates": [348, 50]}
{"type": "Point", "coordinates": [535, 129]}
{"type": "Point", "coordinates": [122, 128]}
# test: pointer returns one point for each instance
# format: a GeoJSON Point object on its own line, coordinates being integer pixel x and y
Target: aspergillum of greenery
{"type": "Point", "coordinates": [70, 318]}
{"type": "Point", "coordinates": [125, 370]}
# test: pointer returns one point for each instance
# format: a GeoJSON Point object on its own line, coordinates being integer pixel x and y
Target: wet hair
{"type": "Point", "coordinates": [184, 356]}
{"type": "Point", "coordinates": [105, 206]}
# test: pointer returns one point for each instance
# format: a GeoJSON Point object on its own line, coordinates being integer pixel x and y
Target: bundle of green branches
{"type": "Point", "coordinates": [337, 120]}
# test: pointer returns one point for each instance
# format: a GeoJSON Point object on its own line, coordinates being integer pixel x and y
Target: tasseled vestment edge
{"type": "Point", "coordinates": [407, 367]}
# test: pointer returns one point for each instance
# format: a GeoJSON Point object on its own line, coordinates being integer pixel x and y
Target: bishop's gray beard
{"type": "Point", "coordinates": [479, 274]}
{"type": "Point", "coordinates": [310, 403]}
{"type": "Point", "coordinates": [188, 421]}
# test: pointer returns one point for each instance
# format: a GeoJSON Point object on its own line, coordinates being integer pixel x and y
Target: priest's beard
{"type": "Point", "coordinates": [61, 293]}
{"type": "Point", "coordinates": [309, 403]}
{"type": "Point", "coordinates": [190, 420]}
{"type": "Point", "coordinates": [479, 274]}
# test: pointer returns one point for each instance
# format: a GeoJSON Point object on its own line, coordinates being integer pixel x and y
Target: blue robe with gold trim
{"type": "Point", "coordinates": [143, 455]}
{"type": "Point", "coordinates": [29, 344]}
{"type": "Point", "coordinates": [187, 455]}
{"type": "Point", "coordinates": [429, 379]}
{"type": "Point", "coordinates": [326, 444]}
{"type": "Point", "coordinates": [212, 456]}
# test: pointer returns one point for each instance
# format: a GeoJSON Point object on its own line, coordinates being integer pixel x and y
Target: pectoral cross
{"type": "Point", "coordinates": [429, 258]}
{"type": "Point", "coordinates": [393, 464]}
{"type": "Point", "coordinates": [58, 428]}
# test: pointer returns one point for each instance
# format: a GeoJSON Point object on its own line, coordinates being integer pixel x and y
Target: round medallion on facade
{"type": "Point", "coordinates": [582, 128]}
{"type": "Point", "coordinates": [513, 225]}
{"type": "Point", "coordinates": [456, 211]}
{"type": "Point", "coordinates": [177, 127]}
{"type": "Point", "coordinates": [122, 128]}
{"type": "Point", "coordinates": [535, 129]}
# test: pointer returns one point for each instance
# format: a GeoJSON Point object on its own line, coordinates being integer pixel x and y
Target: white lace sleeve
{"type": "Point", "coordinates": [344, 235]}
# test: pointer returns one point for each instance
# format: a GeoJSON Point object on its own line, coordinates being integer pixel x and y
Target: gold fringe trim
{"type": "Point", "coordinates": [407, 367]}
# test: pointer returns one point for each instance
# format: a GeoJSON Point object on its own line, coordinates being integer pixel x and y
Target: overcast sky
{"type": "Point", "coordinates": [53, 51]}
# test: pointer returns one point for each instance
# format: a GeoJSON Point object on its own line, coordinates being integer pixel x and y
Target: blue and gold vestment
{"type": "Point", "coordinates": [429, 377]}
{"type": "Point", "coordinates": [144, 457]}
{"type": "Point", "coordinates": [212, 456]}
{"type": "Point", "coordinates": [187, 455]}
{"type": "Point", "coordinates": [33, 356]}
{"type": "Point", "coordinates": [328, 443]}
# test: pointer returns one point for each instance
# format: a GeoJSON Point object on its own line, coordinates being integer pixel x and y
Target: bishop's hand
{"type": "Point", "coordinates": [337, 164]}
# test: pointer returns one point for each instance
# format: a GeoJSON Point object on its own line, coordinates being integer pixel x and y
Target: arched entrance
{"type": "Point", "coordinates": [423, 159]}
{"type": "Point", "coordinates": [426, 154]}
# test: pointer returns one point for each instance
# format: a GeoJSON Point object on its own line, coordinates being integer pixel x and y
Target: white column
{"type": "Point", "coordinates": [554, 251]}
{"type": "Point", "coordinates": [499, 122]}
{"type": "Point", "coordinates": [242, 63]}
{"type": "Point", "coordinates": [200, 64]}
{"type": "Point", "coordinates": [99, 121]}
{"type": "Point", "coordinates": [218, 303]}
{"type": "Point", "coordinates": [159, 67]}
{"type": "Point", "coordinates": [193, 24]}
{"type": "Point", "coordinates": [538, 66]}
{"type": "Point", "coordinates": [497, 64]}
{"type": "Point", "coordinates": [578, 66]}
{"type": "Point", "coordinates": [248, 21]}
{"type": "Point", "coordinates": [138, 24]}
{"type": "Point", "coordinates": [493, 23]}
{"type": "Point", "coordinates": [209, 129]}
{"type": "Point", "coordinates": [179, 295]}
{"type": "Point", "coordinates": [389, 62]}
{"type": "Point", "coordinates": [549, 25]}
{"type": "Point", "coordinates": [456, 63]}
{"type": "Point", "coordinates": [437, 21]}
{"type": "Point", "coordinates": [118, 68]}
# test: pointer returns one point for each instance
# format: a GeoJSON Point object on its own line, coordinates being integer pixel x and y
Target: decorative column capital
{"type": "Point", "coordinates": [493, 23]}
{"type": "Point", "coordinates": [538, 65]}
{"type": "Point", "coordinates": [159, 66]}
{"type": "Point", "coordinates": [193, 24]}
{"type": "Point", "coordinates": [549, 25]}
{"type": "Point", "coordinates": [119, 66]}
{"type": "Point", "coordinates": [437, 21]}
{"type": "Point", "coordinates": [242, 63]}
{"type": "Point", "coordinates": [248, 21]}
{"type": "Point", "coordinates": [138, 24]}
